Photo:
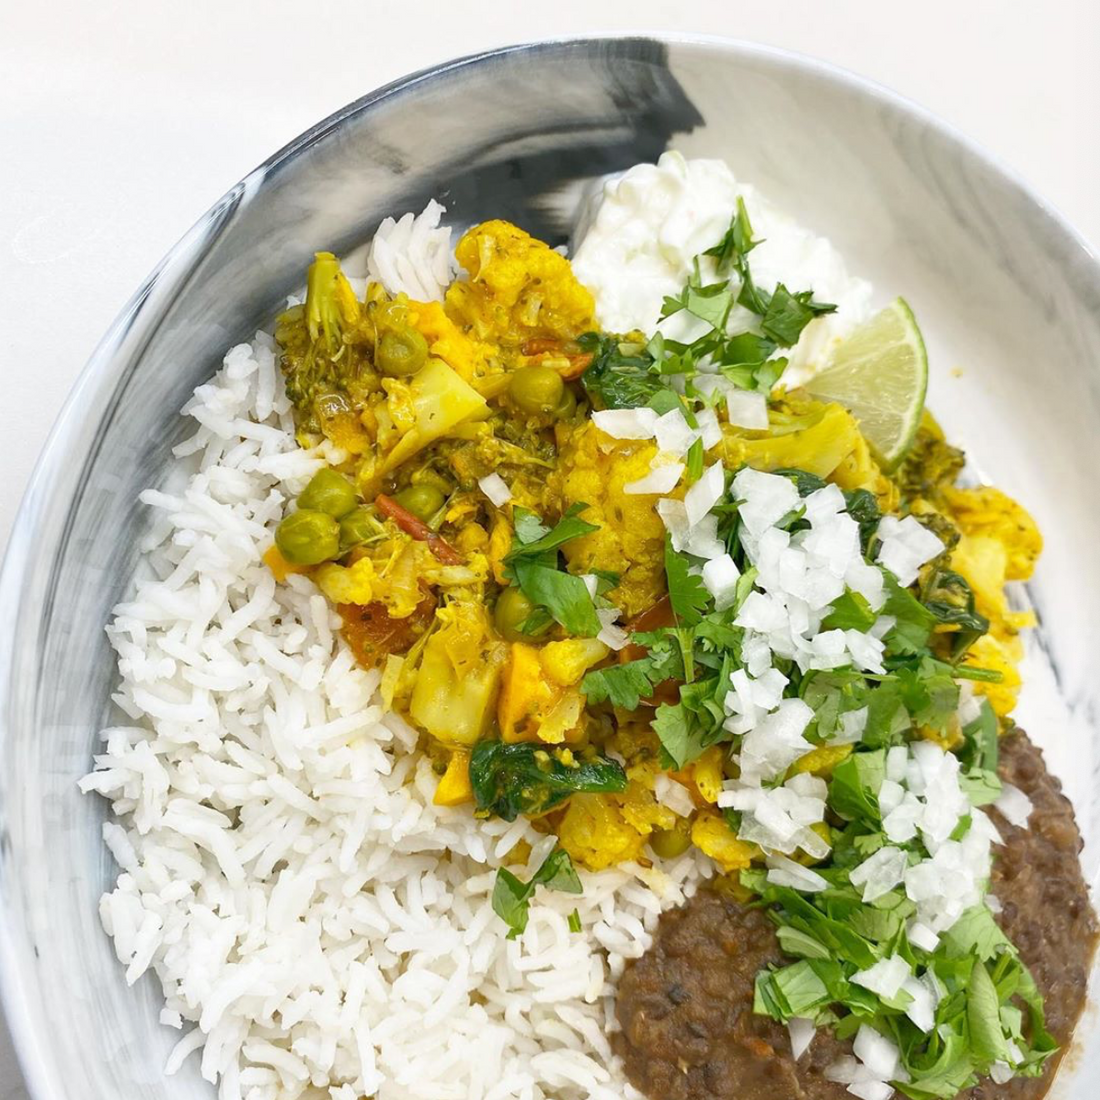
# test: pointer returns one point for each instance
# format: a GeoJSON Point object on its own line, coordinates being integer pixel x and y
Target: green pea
{"type": "Point", "coordinates": [567, 406]}
{"type": "Point", "coordinates": [512, 611]}
{"type": "Point", "coordinates": [308, 538]}
{"type": "Point", "coordinates": [401, 353]}
{"type": "Point", "coordinates": [536, 389]}
{"type": "Point", "coordinates": [328, 492]}
{"type": "Point", "coordinates": [422, 500]}
{"type": "Point", "coordinates": [356, 528]}
{"type": "Point", "coordinates": [670, 843]}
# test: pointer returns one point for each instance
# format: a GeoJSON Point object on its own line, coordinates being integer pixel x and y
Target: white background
{"type": "Point", "coordinates": [121, 121]}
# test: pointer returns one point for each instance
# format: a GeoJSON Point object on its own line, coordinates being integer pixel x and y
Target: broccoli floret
{"type": "Point", "coordinates": [325, 349]}
{"type": "Point", "coordinates": [331, 305]}
{"type": "Point", "coordinates": [930, 466]}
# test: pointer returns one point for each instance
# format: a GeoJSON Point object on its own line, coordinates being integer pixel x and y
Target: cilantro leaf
{"type": "Point", "coordinates": [686, 592]}
{"type": "Point", "coordinates": [532, 564]}
{"type": "Point", "coordinates": [680, 733]}
{"type": "Point", "coordinates": [981, 740]}
{"type": "Point", "coordinates": [853, 792]}
{"type": "Point", "coordinates": [624, 685]}
{"type": "Point", "coordinates": [914, 622]}
{"type": "Point", "coordinates": [850, 611]}
{"type": "Point", "coordinates": [512, 897]}
{"type": "Point", "coordinates": [788, 314]}
{"type": "Point", "coordinates": [618, 378]}
{"type": "Point", "coordinates": [975, 933]}
{"type": "Point", "coordinates": [983, 1018]}
{"type": "Point", "coordinates": [533, 539]}
{"type": "Point", "coordinates": [736, 243]}
{"type": "Point", "coordinates": [563, 595]}
{"type": "Point", "coordinates": [528, 527]}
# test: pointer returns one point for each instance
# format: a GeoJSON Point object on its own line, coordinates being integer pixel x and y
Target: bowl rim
{"type": "Point", "coordinates": [140, 316]}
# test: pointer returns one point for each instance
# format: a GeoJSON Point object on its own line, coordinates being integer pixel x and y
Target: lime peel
{"type": "Point", "coordinates": [879, 373]}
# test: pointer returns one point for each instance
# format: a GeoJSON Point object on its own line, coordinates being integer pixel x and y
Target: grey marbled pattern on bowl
{"type": "Point", "coordinates": [1002, 287]}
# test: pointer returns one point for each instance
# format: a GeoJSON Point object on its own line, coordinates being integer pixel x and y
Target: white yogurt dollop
{"type": "Point", "coordinates": [652, 221]}
{"type": "Point", "coordinates": [649, 225]}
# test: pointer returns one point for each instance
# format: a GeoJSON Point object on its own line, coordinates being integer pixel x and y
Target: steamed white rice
{"type": "Point", "coordinates": [314, 920]}
{"type": "Point", "coordinates": [316, 923]}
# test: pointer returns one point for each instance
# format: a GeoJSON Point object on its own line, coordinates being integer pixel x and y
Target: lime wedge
{"type": "Point", "coordinates": [880, 375]}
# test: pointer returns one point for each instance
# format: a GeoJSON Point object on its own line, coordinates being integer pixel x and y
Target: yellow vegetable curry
{"type": "Point", "coordinates": [424, 411]}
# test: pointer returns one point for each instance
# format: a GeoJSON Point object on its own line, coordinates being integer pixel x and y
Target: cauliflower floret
{"type": "Point", "coordinates": [593, 468]}
{"type": "Point", "coordinates": [595, 833]}
{"type": "Point", "coordinates": [518, 287]}
{"type": "Point", "coordinates": [567, 661]}
{"type": "Point", "coordinates": [446, 341]}
{"type": "Point", "coordinates": [712, 836]}
{"type": "Point", "coordinates": [987, 511]}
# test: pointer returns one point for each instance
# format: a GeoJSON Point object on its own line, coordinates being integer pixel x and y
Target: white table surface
{"type": "Point", "coordinates": [121, 121]}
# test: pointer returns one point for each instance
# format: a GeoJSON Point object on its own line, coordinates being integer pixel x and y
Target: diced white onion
{"type": "Point", "coordinates": [1015, 806]}
{"type": "Point", "coordinates": [922, 1009]}
{"type": "Point", "coordinates": [920, 935]}
{"type": "Point", "coordinates": [673, 795]}
{"type": "Point", "coordinates": [709, 429]}
{"type": "Point", "coordinates": [612, 636]}
{"type": "Point", "coordinates": [626, 423]}
{"type": "Point", "coordinates": [785, 872]}
{"type": "Point", "coordinates": [876, 1052]}
{"type": "Point", "coordinates": [905, 546]}
{"type": "Point", "coordinates": [673, 434]}
{"type": "Point", "coordinates": [885, 978]}
{"type": "Point", "coordinates": [880, 872]}
{"type": "Point", "coordinates": [720, 577]}
{"type": "Point", "coordinates": [747, 409]}
{"type": "Point", "coordinates": [496, 489]}
{"type": "Point", "coordinates": [705, 493]}
{"type": "Point", "coordinates": [659, 480]}
{"type": "Point", "coordinates": [802, 1032]}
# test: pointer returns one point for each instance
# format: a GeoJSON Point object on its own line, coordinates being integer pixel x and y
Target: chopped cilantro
{"type": "Point", "coordinates": [512, 897]}
{"type": "Point", "coordinates": [533, 565]}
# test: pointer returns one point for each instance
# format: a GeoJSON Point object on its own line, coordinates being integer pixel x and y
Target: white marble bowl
{"type": "Point", "coordinates": [1008, 297]}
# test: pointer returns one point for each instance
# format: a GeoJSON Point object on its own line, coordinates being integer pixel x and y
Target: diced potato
{"type": "Point", "coordinates": [532, 706]}
{"type": "Point", "coordinates": [983, 561]}
{"type": "Point", "coordinates": [630, 536]}
{"type": "Point", "coordinates": [440, 400]}
{"type": "Point", "coordinates": [712, 836]}
{"type": "Point", "coordinates": [454, 787]}
{"type": "Point", "coordinates": [562, 723]}
{"type": "Point", "coordinates": [459, 677]}
{"type": "Point", "coordinates": [470, 538]}
{"type": "Point", "coordinates": [567, 661]}
{"type": "Point", "coordinates": [1001, 656]}
{"type": "Point", "coordinates": [446, 340]}
{"type": "Point", "coordinates": [707, 775]}
{"type": "Point", "coordinates": [595, 833]}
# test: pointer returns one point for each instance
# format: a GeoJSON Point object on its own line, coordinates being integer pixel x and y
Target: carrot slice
{"type": "Point", "coordinates": [418, 529]}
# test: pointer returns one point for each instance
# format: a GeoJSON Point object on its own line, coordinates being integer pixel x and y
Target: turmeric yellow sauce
{"type": "Point", "coordinates": [414, 404]}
